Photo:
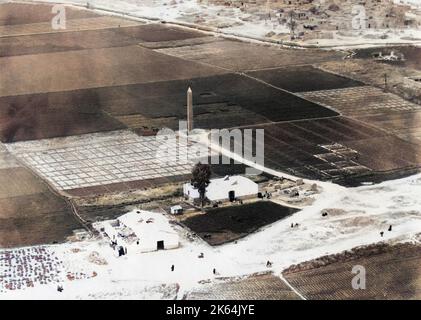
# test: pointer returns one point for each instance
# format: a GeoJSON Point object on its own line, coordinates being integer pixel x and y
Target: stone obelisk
{"type": "Point", "coordinates": [189, 110]}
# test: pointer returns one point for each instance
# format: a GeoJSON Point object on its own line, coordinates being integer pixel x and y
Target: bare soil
{"type": "Point", "coordinates": [30, 213]}
{"type": "Point", "coordinates": [255, 287]}
{"type": "Point", "coordinates": [228, 223]}
{"type": "Point", "coordinates": [392, 272]}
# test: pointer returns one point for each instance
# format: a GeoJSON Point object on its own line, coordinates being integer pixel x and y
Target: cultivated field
{"type": "Point", "coordinates": [13, 32]}
{"type": "Point", "coordinates": [254, 101]}
{"type": "Point", "coordinates": [391, 273]}
{"type": "Point", "coordinates": [132, 77]}
{"type": "Point", "coordinates": [105, 32]}
{"type": "Point", "coordinates": [338, 149]}
{"type": "Point", "coordinates": [92, 161]}
{"type": "Point", "coordinates": [221, 225]}
{"type": "Point", "coordinates": [222, 101]}
{"type": "Point", "coordinates": [303, 78]}
{"type": "Point", "coordinates": [405, 125]}
{"type": "Point", "coordinates": [21, 13]}
{"type": "Point", "coordinates": [105, 74]}
{"type": "Point", "coordinates": [38, 117]}
{"type": "Point", "coordinates": [30, 212]}
{"type": "Point", "coordinates": [362, 102]}
{"type": "Point", "coordinates": [230, 55]}
{"type": "Point", "coordinates": [255, 287]}
{"type": "Point", "coordinates": [71, 70]}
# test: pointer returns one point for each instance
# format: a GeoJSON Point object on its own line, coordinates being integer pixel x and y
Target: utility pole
{"type": "Point", "coordinates": [385, 82]}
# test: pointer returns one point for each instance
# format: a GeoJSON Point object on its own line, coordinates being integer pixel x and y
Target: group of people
{"type": "Point", "coordinates": [382, 232]}
{"type": "Point", "coordinates": [173, 268]}
{"type": "Point", "coordinates": [266, 195]}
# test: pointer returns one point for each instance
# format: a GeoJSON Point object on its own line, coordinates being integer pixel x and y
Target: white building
{"type": "Point", "coordinates": [140, 231]}
{"type": "Point", "coordinates": [223, 188]}
{"type": "Point", "coordinates": [176, 209]}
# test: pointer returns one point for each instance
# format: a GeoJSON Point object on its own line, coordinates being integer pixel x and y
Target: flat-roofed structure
{"type": "Point", "coordinates": [224, 188]}
{"type": "Point", "coordinates": [140, 231]}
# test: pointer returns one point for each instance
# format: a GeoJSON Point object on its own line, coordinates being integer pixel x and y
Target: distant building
{"type": "Point", "coordinates": [331, 15]}
{"type": "Point", "coordinates": [140, 231]}
{"type": "Point", "coordinates": [224, 189]}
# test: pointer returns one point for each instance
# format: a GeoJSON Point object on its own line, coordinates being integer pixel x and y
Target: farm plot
{"type": "Point", "coordinates": [255, 287]}
{"type": "Point", "coordinates": [117, 187]}
{"type": "Point", "coordinates": [304, 78]}
{"type": "Point", "coordinates": [236, 55]}
{"type": "Point", "coordinates": [25, 13]}
{"type": "Point", "coordinates": [391, 273]}
{"type": "Point", "coordinates": [63, 71]}
{"type": "Point", "coordinates": [113, 161]}
{"type": "Point", "coordinates": [221, 225]}
{"type": "Point", "coordinates": [34, 29]}
{"type": "Point", "coordinates": [219, 101]}
{"type": "Point", "coordinates": [337, 149]}
{"type": "Point", "coordinates": [6, 159]}
{"type": "Point", "coordinates": [361, 101]}
{"type": "Point", "coordinates": [222, 101]}
{"type": "Point", "coordinates": [405, 125]}
{"type": "Point", "coordinates": [11, 183]}
{"type": "Point", "coordinates": [93, 33]}
{"type": "Point", "coordinates": [107, 36]}
{"type": "Point", "coordinates": [31, 117]}
{"type": "Point", "coordinates": [154, 32]}
{"type": "Point", "coordinates": [30, 212]}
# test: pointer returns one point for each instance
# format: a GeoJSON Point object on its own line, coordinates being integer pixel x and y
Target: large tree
{"type": "Point", "coordinates": [201, 174]}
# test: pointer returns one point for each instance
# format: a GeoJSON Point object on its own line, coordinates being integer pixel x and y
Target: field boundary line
{"type": "Point", "coordinates": [295, 94]}
{"type": "Point", "coordinates": [291, 287]}
{"type": "Point", "coordinates": [52, 189]}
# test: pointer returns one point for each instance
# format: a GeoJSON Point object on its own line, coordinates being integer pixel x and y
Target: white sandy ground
{"type": "Point", "coordinates": [235, 23]}
{"type": "Point", "coordinates": [369, 210]}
